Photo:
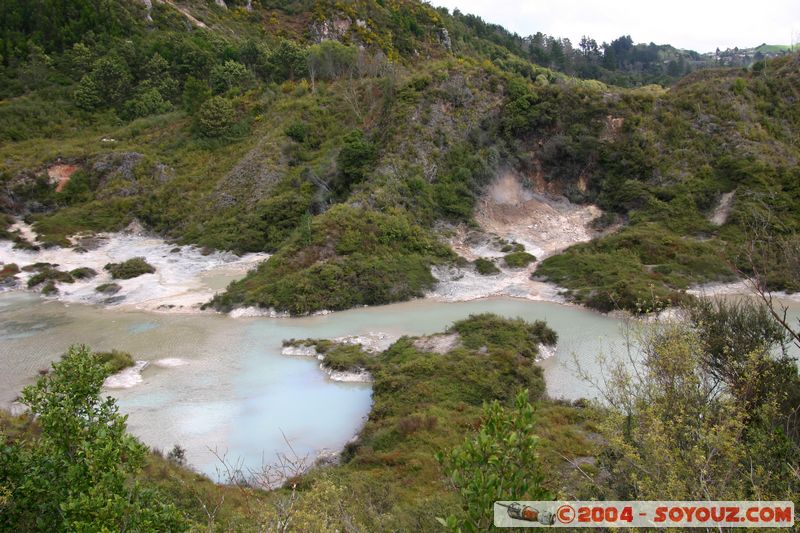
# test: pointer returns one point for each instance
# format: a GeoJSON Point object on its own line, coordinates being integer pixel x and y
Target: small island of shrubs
{"type": "Point", "coordinates": [129, 269]}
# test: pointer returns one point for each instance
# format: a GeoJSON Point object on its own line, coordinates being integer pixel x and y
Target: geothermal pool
{"type": "Point", "coordinates": [218, 385]}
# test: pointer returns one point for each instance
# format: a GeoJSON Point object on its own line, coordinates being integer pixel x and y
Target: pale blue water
{"type": "Point", "coordinates": [142, 327]}
{"type": "Point", "coordinates": [237, 395]}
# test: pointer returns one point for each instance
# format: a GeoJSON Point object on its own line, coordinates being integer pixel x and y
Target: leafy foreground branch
{"type": "Point", "coordinates": [78, 473]}
{"type": "Point", "coordinates": [499, 463]}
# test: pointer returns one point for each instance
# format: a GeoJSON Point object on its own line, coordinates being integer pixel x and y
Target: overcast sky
{"type": "Point", "coordinates": [701, 25]}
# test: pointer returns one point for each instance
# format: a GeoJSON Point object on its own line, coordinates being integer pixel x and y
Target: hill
{"type": "Point", "coordinates": [765, 48]}
{"type": "Point", "coordinates": [348, 139]}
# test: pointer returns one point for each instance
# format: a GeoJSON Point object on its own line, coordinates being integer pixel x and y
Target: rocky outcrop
{"type": "Point", "coordinates": [723, 209]}
{"type": "Point", "coordinates": [115, 174]}
{"type": "Point", "coordinates": [444, 39]}
{"type": "Point", "coordinates": [118, 173]}
{"type": "Point", "coordinates": [61, 174]}
{"type": "Point", "coordinates": [330, 30]}
{"type": "Point", "coordinates": [148, 5]}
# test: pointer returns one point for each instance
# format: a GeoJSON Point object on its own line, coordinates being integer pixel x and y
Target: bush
{"type": "Point", "coordinates": [298, 131]}
{"type": "Point", "coordinates": [108, 288]}
{"type": "Point", "coordinates": [500, 463]}
{"type": "Point", "coordinates": [83, 273]}
{"type": "Point", "coordinates": [215, 117]}
{"type": "Point", "coordinates": [492, 332]}
{"type": "Point", "coordinates": [343, 258]}
{"type": "Point", "coordinates": [149, 102]}
{"type": "Point", "coordinates": [519, 259]}
{"type": "Point", "coordinates": [8, 271]}
{"type": "Point", "coordinates": [114, 361]}
{"type": "Point", "coordinates": [107, 84]}
{"type": "Point", "coordinates": [639, 269]}
{"type": "Point", "coordinates": [49, 274]}
{"type": "Point", "coordinates": [195, 92]}
{"type": "Point", "coordinates": [80, 473]}
{"type": "Point", "coordinates": [287, 61]}
{"type": "Point", "coordinates": [485, 267]}
{"type": "Point", "coordinates": [131, 268]}
{"type": "Point", "coordinates": [50, 288]}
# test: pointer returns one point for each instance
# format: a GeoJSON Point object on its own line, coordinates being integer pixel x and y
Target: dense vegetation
{"type": "Point", "coordinates": [666, 172]}
{"type": "Point", "coordinates": [292, 128]}
{"type": "Point", "coordinates": [343, 258]}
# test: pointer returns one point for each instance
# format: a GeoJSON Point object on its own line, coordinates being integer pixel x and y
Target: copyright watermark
{"type": "Point", "coordinates": [644, 514]}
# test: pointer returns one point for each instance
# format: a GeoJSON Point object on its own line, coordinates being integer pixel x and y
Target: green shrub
{"type": "Point", "coordinates": [345, 257]}
{"type": "Point", "coordinates": [82, 471]}
{"type": "Point", "coordinates": [49, 288]}
{"type": "Point", "coordinates": [107, 84]}
{"type": "Point", "coordinates": [485, 267]}
{"type": "Point", "coordinates": [114, 361]}
{"type": "Point", "coordinates": [500, 463]}
{"type": "Point", "coordinates": [512, 247]}
{"type": "Point", "coordinates": [83, 273]}
{"type": "Point", "coordinates": [492, 332]}
{"type": "Point", "coordinates": [215, 117]}
{"type": "Point", "coordinates": [519, 259]}
{"type": "Point", "coordinates": [298, 131]}
{"type": "Point", "coordinates": [108, 288]}
{"type": "Point", "coordinates": [346, 358]}
{"type": "Point", "coordinates": [149, 102]}
{"type": "Point", "coordinates": [639, 269]}
{"type": "Point", "coordinates": [355, 158]}
{"type": "Point", "coordinates": [49, 274]}
{"type": "Point", "coordinates": [195, 92]}
{"type": "Point", "coordinates": [131, 268]}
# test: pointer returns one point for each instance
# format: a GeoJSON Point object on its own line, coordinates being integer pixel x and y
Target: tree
{"type": "Point", "coordinates": [215, 117]}
{"type": "Point", "coordinates": [499, 463]}
{"type": "Point", "coordinates": [78, 475]}
{"type": "Point", "coordinates": [589, 47]}
{"type": "Point", "coordinates": [107, 84]}
{"type": "Point", "coordinates": [622, 48]}
{"type": "Point", "coordinates": [288, 60]}
{"type": "Point", "coordinates": [229, 75]}
{"type": "Point", "coordinates": [157, 76]}
{"type": "Point", "coordinates": [330, 60]}
{"type": "Point", "coordinates": [355, 157]}
{"type": "Point", "coordinates": [609, 57]}
{"type": "Point", "coordinates": [195, 92]}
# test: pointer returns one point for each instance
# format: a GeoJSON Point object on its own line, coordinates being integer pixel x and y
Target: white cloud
{"type": "Point", "coordinates": [701, 25]}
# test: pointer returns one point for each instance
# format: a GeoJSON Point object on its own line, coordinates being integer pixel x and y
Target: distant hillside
{"type": "Point", "coordinates": [745, 57]}
{"type": "Point", "coordinates": [346, 138]}
{"type": "Point", "coordinates": [772, 48]}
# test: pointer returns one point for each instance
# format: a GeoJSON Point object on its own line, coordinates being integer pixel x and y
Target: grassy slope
{"type": "Point", "coordinates": [716, 132]}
